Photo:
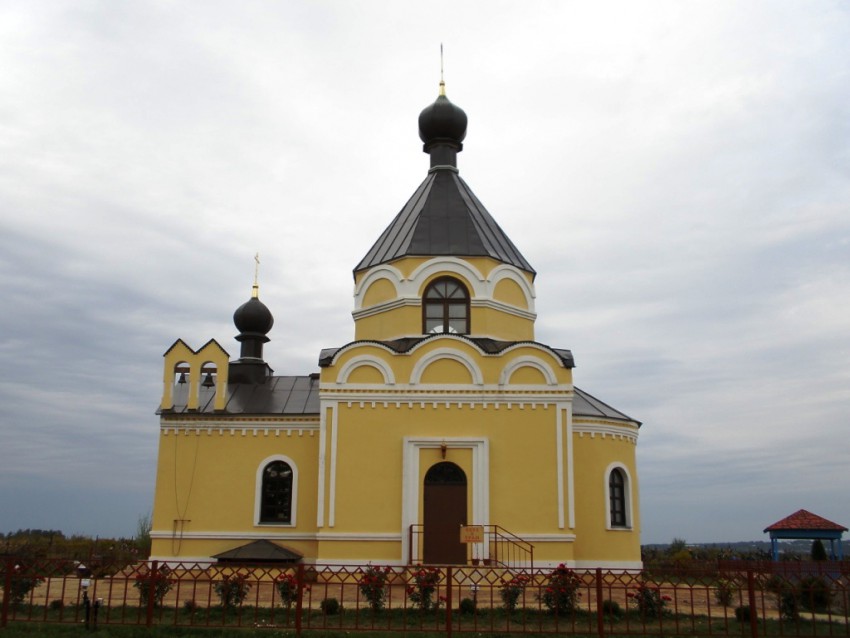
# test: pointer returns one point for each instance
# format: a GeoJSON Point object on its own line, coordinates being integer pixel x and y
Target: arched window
{"type": "Point", "coordinates": [445, 307]}
{"type": "Point", "coordinates": [617, 498]}
{"type": "Point", "coordinates": [276, 493]}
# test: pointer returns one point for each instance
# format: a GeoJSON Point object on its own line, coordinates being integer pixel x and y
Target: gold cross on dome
{"type": "Point", "coordinates": [256, 288]}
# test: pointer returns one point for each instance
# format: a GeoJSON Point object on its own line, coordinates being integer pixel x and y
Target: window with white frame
{"type": "Point", "coordinates": [617, 498]}
{"type": "Point", "coordinates": [276, 493]}
{"type": "Point", "coordinates": [445, 307]}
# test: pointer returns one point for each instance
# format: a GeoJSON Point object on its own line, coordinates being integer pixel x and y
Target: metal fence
{"type": "Point", "coordinates": [723, 599]}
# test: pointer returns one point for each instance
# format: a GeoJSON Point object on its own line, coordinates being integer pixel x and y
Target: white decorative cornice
{"type": "Point", "coordinates": [546, 538]}
{"type": "Point", "coordinates": [472, 404]}
{"type": "Point", "coordinates": [268, 533]}
{"type": "Point", "coordinates": [501, 306]}
{"type": "Point", "coordinates": [386, 306]}
{"type": "Point", "coordinates": [442, 392]}
{"type": "Point", "coordinates": [359, 536]}
{"type": "Point", "coordinates": [602, 430]}
{"type": "Point", "coordinates": [208, 419]}
{"type": "Point", "coordinates": [401, 302]}
{"type": "Point", "coordinates": [267, 428]}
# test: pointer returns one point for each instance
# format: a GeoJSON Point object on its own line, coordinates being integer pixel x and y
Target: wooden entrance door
{"type": "Point", "coordinates": [444, 513]}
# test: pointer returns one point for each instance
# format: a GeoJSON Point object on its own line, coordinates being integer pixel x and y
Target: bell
{"type": "Point", "coordinates": [182, 378]}
{"type": "Point", "coordinates": [208, 380]}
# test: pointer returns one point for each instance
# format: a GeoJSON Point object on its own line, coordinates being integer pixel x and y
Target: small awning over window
{"type": "Point", "coordinates": [262, 551]}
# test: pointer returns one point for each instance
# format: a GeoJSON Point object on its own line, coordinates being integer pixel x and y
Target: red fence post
{"type": "Point", "coordinates": [152, 577]}
{"type": "Point", "coordinates": [449, 577]}
{"type": "Point", "coordinates": [7, 591]}
{"type": "Point", "coordinates": [751, 591]}
{"type": "Point", "coordinates": [600, 616]}
{"type": "Point", "coordinates": [299, 599]}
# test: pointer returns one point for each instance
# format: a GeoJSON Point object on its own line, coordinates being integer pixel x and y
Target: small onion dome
{"type": "Point", "coordinates": [253, 317]}
{"type": "Point", "coordinates": [442, 121]}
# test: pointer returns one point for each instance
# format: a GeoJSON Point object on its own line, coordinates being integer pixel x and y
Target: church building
{"type": "Point", "coordinates": [441, 417]}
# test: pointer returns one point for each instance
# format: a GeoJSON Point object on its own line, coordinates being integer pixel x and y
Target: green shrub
{"type": "Point", "coordinates": [776, 584]}
{"type": "Point", "coordinates": [421, 591]}
{"type": "Point", "coordinates": [467, 606]}
{"type": "Point", "coordinates": [814, 594]}
{"type": "Point", "coordinates": [788, 606]}
{"type": "Point", "coordinates": [57, 605]}
{"type": "Point", "coordinates": [190, 606]}
{"type": "Point", "coordinates": [561, 594]}
{"type": "Point", "coordinates": [818, 551]}
{"type": "Point", "coordinates": [287, 587]}
{"type": "Point", "coordinates": [373, 586]}
{"type": "Point", "coordinates": [724, 592]}
{"type": "Point", "coordinates": [649, 600]}
{"type": "Point", "coordinates": [512, 589]}
{"type": "Point", "coordinates": [744, 613]}
{"type": "Point", "coordinates": [156, 585]}
{"type": "Point", "coordinates": [23, 582]}
{"type": "Point", "coordinates": [611, 608]}
{"type": "Point", "coordinates": [232, 590]}
{"type": "Point", "coordinates": [329, 606]}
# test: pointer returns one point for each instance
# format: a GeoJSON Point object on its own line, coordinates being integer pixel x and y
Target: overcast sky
{"type": "Point", "coordinates": [678, 173]}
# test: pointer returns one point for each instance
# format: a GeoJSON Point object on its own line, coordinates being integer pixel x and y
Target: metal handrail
{"type": "Point", "coordinates": [500, 548]}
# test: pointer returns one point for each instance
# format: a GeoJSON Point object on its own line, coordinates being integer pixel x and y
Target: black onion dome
{"type": "Point", "coordinates": [253, 317]}
{"type": "Point", "coordinates": [442, 121]}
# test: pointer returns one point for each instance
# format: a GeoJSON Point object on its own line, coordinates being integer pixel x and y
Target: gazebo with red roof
{"type": "Point", "coordinates": [804, 524]}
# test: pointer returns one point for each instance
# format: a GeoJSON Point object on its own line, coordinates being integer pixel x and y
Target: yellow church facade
{"type": "Point", "coordinates": [441, 413]}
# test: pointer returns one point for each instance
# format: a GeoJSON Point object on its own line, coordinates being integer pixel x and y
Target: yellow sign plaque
{"type": "Point", "coordinates": [471, 533]}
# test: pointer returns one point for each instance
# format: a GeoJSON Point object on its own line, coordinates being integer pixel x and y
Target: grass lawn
{"type": "Point", "coordinates": [252, 621]}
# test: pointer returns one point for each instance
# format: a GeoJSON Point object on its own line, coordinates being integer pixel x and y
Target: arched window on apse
{"type": "Point", "coordinates": [617, 498]}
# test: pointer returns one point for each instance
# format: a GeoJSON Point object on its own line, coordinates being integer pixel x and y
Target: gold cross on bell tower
{"type": "Point", "coordinates": [255, 291]}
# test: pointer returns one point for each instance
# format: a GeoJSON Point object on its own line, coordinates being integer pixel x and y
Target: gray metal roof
{"type": "Point", "coordinates": [291, 396]}
{"type": "Point", "coordinates": [585, 404]}
{"type": "Point", "coordinates": [444, 217]}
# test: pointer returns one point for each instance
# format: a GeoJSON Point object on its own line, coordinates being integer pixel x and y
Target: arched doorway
{"type": "Point", "coordinates": [444, 513]}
